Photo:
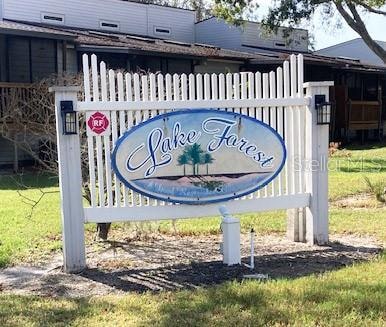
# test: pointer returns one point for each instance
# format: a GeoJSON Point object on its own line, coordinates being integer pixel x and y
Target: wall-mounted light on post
{"type": "Point", "coordinates": [324, 110]}
{"type": "Point", "coordinates": [69, 118]}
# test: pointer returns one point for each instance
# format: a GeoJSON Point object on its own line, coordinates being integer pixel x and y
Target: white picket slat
{"type": "Point", "coordinates": [90, 140]}
{"type": "Point", "coordinates": [184, 87]}
{"type": "Point", "coordinates": [288, 128]}
{"type": "Point", "coordinates": [153, 113]}
{"type": "Point", "coordinates": [206, 86]}
{"type": "Point", "coordinates": [122, 127]}
{"type": "Point", "coordinates": [272, 116]}
{"type": "Point", "coordinates": [265, 112]}
{"type": "Point", "coordinates": [161, 91]}
{"type": "Point", "coordinates": [106, 138]}
{"type": "Point", "coordinates": [236, 90]}
{"type": "Point", "coordinates": [138, 119]}
{"type": "Point", "coordinates": [199, 86]}
{"type": "Point", "coordinates": [98, 139]}
{"type": "Point", "coordinates": [114, 133]}
{"type": "Point", "coordinates": [214, 86]}
{"type": "Point", "coordinates": [280, 121]}
{"type": "Point", "coordinates": [130, 123]}
{"type": "Point", "coordinates": [293, 121]}
{"type": "Point", "coordinates": [192, 89]}
{"type": "Point", "coordinates": [244, 87]}
{"type": "Point", "coordinates": [86, 78]}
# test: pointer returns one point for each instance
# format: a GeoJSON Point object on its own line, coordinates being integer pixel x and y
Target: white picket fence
{"type": "Point", "coordinates": [131, 99]}
{"type": "Point", "coordinates": [277, 98]}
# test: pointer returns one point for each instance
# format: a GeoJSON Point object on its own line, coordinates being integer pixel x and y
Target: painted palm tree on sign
{"type": "Point", "coordinates": [183, 160]}
{"type": "Point", "coordinates": [195, 156]}
{"type": "Point", "coordinates": [206, 160]}
{"type": "Point", "coordinates": [194, 153]}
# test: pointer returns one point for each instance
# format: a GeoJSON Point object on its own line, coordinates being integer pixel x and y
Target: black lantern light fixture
{"type": "Point", "coordinates": [69, 118]}
{"type": "Point", "coordinates": [324, 110]}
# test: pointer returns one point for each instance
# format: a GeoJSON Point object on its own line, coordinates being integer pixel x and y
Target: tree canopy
{"type": "Point", "coordinates": [291, 13]}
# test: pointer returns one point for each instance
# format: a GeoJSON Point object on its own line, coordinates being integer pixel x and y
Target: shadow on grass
{"type": "Point", "coordinates": [28, 180]}
{"type": "Point", "coordinates": [203, 274]}
{"type": "Point", "coordinates": [361, 165]}
{"type": "Point", "coordinates": [341, 301]}
{"type": "Point", "coordinates": [354, 298]}
{"type": "Point", "coordinates": [366, 146]}
{"type": "Point", "coordinates": [316, 303]}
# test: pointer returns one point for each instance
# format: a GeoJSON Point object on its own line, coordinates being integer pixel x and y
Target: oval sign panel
{"type": "Point", "coordinates": [198, 156]}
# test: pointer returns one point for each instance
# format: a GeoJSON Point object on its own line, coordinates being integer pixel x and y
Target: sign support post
{"type": "Point", "coordinates": [70, 181]}
{"type": "Point", "coordinates": [316, 168]}
{"type": "Point", "coordinates": [310, 224]}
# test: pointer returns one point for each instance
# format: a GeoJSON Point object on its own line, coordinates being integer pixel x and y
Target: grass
{"type": "Point", "coordinates": [354, 296]}
{"type": "Point", "coordinates": [23, 236]}
{"type": "Point", "coordinates": [348, 169]}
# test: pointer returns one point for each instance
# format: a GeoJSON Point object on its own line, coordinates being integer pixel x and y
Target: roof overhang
{"type": "Point", "coordinates": [22, 29]}
{"type": "Point", "coordinates": [333, 63]}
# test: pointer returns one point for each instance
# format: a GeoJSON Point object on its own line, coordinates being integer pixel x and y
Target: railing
{"type": "Point", "coordinates": [13, 94]}
{"type": "Point", "coordinates": [364, 115]}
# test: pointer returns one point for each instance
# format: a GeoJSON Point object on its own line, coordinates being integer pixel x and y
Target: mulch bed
{"type": "Point", "coordinates": [172, 262]}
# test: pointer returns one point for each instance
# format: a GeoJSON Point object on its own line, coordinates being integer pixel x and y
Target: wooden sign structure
{"type": "Point", "coordinates": [119, 106]}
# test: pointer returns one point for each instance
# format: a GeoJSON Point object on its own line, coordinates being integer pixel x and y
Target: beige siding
{"type": "Point", "coordinates": [181, 23]}
{"type": "Point", "coordinates": [133, 18]}
{"type": "Point", "coordinates": [218, 33]}
{"type": "Point", "coordinates": [254, 35]}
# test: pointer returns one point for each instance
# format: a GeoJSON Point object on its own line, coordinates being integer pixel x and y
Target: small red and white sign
{"type": "Point", "coordinates": [98, 123]}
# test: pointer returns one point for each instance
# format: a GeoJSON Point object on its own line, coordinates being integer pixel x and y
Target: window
{"type": "Point", "coordinates": [162, 30]}
{"type": "Point", "coordinates": [51, 18]}
{"type": "Point", "coordinates": [280, 44]}
{"type": "Point", "coordinates": [109, 25]}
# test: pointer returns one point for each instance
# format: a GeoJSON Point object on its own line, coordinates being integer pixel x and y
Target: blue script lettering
{"type": "Point", "coordinates": [221, 128]}
{"type": "Point", "coordinates": [157, 143]}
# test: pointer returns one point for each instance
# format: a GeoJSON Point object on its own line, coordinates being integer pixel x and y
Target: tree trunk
{"type": "Point", "coordinates": [103, 230]}
{"type": "Point", "coordinates": [357, 24]}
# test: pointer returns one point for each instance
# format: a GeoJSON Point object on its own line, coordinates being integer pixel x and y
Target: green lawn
{"type": "Point", "coordinates": [354, 296]}
{"type": "Point", "coordinates": [351, 296]}
{"type": "Point", "coordinates": [347, 169]}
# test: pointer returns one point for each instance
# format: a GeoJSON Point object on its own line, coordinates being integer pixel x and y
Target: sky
{"type": "Point", "coordinates": [327, 34]}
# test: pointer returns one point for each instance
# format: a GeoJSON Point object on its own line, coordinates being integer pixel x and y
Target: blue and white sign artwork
{"type": "Point", "coordinates": [198, 156]}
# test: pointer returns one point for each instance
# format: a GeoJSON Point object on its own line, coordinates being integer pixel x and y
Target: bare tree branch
{"type": "Point", "coordinates": [33, 202]}
{"type": "Point", "coordinates": [357, 24]}
{"type": "Point", "coordinates": [369, 8]}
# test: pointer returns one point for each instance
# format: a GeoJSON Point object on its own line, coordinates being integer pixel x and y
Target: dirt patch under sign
{"type": "Point", "coordinates": [173, 262]}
